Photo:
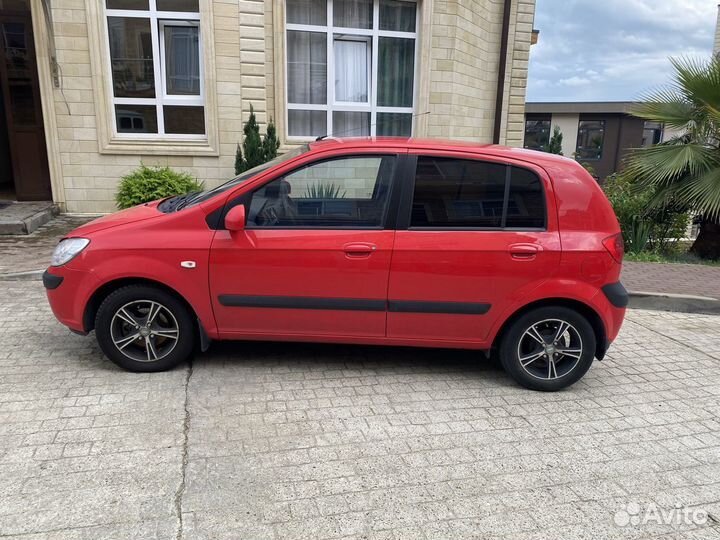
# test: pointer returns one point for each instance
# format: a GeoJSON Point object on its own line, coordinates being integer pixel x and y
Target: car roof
{"type": "Point", "coordinates": [523, 154]}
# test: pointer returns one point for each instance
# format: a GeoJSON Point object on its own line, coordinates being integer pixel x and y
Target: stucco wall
{"type": "Point", "coordinates": [569, 128]}
{"type": "Point", "coordinates": [456, 84]}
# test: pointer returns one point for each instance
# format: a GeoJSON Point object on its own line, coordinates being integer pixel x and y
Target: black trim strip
{"type": "Point", "coordinates": [353, 304]}
{"type": "Point", "coordinates": [301, 302]}
{"type": "Point", "coordinates": [616, 294]}
{"type": "Point", "coordinates": [421, 306]}
{"type": "Point", "coordinates": [51, 281]}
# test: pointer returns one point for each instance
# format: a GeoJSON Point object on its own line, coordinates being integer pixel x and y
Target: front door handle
{"type": "Point", "coordinates": [358, 250]}
{"type": "Point", "coordinates": [524, 251]}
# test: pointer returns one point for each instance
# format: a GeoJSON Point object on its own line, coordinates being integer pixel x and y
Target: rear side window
{"type": "Point", "coordinates": [526, 201]}
{"type": "Point", "coordinates": [463, 193]}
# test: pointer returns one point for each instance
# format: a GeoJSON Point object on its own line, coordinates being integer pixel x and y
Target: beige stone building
{"type": "Point", "coordinates": [92, 88]}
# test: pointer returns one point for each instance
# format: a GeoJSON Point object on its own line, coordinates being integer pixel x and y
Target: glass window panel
{"type": "Point", "coordinates": [17, 61]}
{"type": "Point", "coordinates": [537, 134]}
{"type": "Point", "coordinates": [591, 135]}
{"type": "Point", "coordinates": [397, 15]}
{"type": "Point", "coordinates": [136, 118]}
{"type": "Point", "coordinates": [394, 124]}
{"type": "Point", "coordinates": [351, 70]}
{"type": "Point", "coordinates": [128, 4]}
{"type": "Point", "coordinates": [307, 67]}
{"type": "Point", "coordinates": [353, 13]}
{"type": "Point", "coordinates": [307, 123]}
{"type": "Point", "coordinates": [178, 5]}
{"type": "Point", "coordinates": [345, 192]}
{"type": "Point", "coordinates": [185, 120]}
{"type": "Point", "coordinates": [652, 133]}
{"type": "Point", "coordinates": [351, 124]}
{"type": "Point", "coordinates": [182, 60]}
{"type": "Point", "coordinates": [458, 193]}
{"type": "Point", "coordinates": [396, 71]}
{"type": "Point", "coordinates": [131, 57]}
{"type": "Point", "coordinates": [526, 201]}
{"type": "Point", "coordinates": [306, 12]}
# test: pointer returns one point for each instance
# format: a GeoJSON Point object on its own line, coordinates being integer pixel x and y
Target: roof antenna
{"type": "Point", "coordinates": [321, 137]}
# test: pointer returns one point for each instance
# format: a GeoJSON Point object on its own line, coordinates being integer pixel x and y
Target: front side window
{"type": "Point", "coordinates": [156, 67]}
{"type": "Point", "coordinates": [350, 67]}
{"type": "Point", "coordinates": [463, 193]}
{"type": "Point", "coordinates": [345, 192]}
{"type": "Point", "coordinates": [591, 135]}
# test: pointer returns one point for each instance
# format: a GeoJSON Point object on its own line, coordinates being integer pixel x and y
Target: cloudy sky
{"type": "Point", "coordinates": [614, 50]}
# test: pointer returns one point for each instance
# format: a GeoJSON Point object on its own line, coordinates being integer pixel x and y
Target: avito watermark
{"type": "Point", "coordinates": [634, 514]}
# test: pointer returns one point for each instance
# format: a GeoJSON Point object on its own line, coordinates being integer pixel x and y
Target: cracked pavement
{"type": "Point", "coordinates": [290, 441]}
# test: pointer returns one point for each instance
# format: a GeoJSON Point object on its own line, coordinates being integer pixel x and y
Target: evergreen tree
{"type": "Point", "coordinates": [270, 142]}
{"type": "Point", "coordinates": [239, 165]}
{"type": "Point", "coordinates": [252, 145]}
{"type": "Point", "coordinates": [554, 145]}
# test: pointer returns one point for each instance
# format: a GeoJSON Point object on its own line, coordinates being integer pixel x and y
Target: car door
{"type": "Point", "coordinates": [314, 258]}
{"type": "Point", "coordinates": [474, 236]}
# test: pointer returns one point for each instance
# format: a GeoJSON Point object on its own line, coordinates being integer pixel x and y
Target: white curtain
{"type": "Point", "coordinates": [307, 67]}
{"type": "Point", "coordinates": [182, 64]}
{"type": "Point", "coordinates": [351, 71]}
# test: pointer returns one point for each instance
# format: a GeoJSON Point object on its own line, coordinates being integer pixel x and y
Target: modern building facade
{"type": "Point", "coordinates": [93, 88]}
{"type": "Point", "coordinates": [598, 134]}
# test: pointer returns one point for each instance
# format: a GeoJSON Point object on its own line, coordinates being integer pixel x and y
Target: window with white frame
{"type": "Point", "coordinates": [350, 67]}
{"type": "Point", "coordinates": [156, 68]}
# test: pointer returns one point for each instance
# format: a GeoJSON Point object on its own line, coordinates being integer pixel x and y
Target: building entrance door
{"type": "Point", "coordinates": [23, 155]}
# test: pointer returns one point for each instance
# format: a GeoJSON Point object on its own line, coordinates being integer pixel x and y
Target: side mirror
{"type": "Point", "coordinates": [235, 218]}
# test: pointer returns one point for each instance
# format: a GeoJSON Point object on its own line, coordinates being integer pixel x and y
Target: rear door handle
{"type": "Point", "coordinates": [359, 250]}
{"type": "Point", "coordinates": [524, 251]}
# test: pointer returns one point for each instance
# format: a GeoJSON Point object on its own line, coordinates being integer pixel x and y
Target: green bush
{"type": "Point", "coordinates": [644, 227]}
{"type": "Point", "coordinates": [147, 184]}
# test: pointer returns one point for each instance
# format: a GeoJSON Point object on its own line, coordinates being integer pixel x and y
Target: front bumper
{"type": "Point", "coordinates": [51, 281]}
{"type": "Point", "coordinates": [68, 292]}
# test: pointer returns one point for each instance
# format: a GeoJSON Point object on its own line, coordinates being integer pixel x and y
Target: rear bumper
{"type": "Point", "coordinates": [610, 303]}
{"type": "Point", "coordinates": [616, 294]}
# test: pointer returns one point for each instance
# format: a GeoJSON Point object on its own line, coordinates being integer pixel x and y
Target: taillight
{"type": "Point", "coordinates": [615, 246]}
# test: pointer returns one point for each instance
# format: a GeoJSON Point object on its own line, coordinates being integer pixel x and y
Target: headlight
{"type": "Point", "coordinates": [67, 249]}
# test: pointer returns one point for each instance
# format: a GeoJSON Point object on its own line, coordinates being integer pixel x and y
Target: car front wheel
{"type": "Point", "coordinates": [548, 348]}
{"type": "Point", "coordinates": [143, 328]}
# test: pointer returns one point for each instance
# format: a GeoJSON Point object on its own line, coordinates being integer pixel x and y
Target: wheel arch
{"type": "Point", "coordinates": [93, 303]}
{"type": "Point", "coordinates": [584, 309]}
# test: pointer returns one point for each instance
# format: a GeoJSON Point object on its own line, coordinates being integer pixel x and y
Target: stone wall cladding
{"type": "Point", "coordinates": [462, 71]}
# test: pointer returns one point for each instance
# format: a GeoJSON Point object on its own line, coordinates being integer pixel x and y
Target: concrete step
{"type": "Point", "coordinates": [25, 217]}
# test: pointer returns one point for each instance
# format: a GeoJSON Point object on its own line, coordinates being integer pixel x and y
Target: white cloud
{"type": "Point", "coordinates": [615, 49]}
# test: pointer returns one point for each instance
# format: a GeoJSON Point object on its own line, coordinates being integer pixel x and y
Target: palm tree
{"type": "Point", "coordinates": [685, 170]}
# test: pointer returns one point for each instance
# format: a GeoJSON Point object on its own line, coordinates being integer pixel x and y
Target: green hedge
{"type": "Point", "coordinates": [147, 184]}
{"type": "Point", "coordinates": [645, 227]}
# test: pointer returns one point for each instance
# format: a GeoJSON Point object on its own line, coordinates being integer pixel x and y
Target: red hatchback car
{"type": "Point", "coordinates": [375, 241]}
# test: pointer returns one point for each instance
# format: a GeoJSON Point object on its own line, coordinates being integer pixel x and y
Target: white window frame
{"type": "Point", "coordinates": [332, 105]}
{"type": "Point", "coordinates": [158, 21]}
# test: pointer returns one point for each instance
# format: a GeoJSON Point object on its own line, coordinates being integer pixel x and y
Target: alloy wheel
{"type": "Point", "coordinates": [550, 349]}
{"type": "Point", "coordinates": [144, 330]}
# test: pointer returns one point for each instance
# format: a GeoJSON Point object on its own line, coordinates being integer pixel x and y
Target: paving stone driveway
{"type": "Point", "coordinates": [275, 441]}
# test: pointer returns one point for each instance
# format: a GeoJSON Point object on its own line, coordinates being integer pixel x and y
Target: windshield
{"type": "Point", "coordinates": [242, 177]}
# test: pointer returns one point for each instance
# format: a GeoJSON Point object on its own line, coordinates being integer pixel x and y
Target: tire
{"type": "Point", "coordinates": [526, 359]}
{"type": "Point", "coordinates": [122, 331]}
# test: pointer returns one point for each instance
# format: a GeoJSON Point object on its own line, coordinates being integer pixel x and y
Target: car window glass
{"type": "Point", "coordinates": [526, 201]}
{"type": "Point", "coordinates": [466, 193]}
{"type": "Point", "coordinates": [344, 192]}
{"type": "Point", "coordinates": [458, 193]}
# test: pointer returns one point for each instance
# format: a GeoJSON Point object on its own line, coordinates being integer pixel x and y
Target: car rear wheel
{"type": "Point", "coordinates": [548, 348]}
{"type": "Point", "coordinates": [143, 328]}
